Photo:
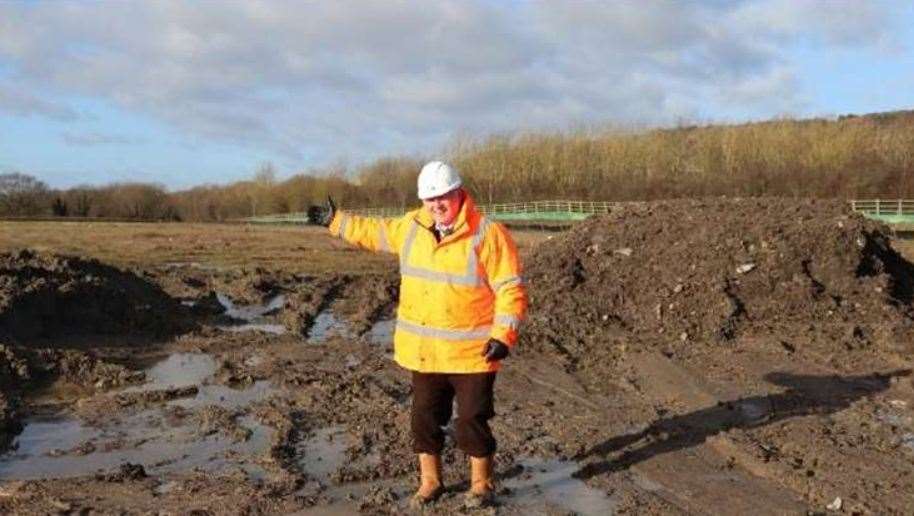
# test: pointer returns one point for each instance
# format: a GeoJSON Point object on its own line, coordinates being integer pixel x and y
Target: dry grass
{"type": "Point", "coordinates": [301, 249]}
{"type": "Point", "coordinates": [856, 157]}
{"type": "Point", "coordinates": [293, 248]}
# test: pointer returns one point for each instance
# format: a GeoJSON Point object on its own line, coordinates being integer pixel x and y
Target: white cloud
{"type": "Point", "coordinates": [838, 22]}
{"type": "Point", "coordinates": [318, 80]}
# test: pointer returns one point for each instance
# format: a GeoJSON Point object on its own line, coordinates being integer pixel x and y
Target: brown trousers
{"type": "Point", "coordinates": [433, 398]}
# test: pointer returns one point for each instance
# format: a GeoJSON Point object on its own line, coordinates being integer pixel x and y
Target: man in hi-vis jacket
{"type": "Point", "coordinates": [461, 301]}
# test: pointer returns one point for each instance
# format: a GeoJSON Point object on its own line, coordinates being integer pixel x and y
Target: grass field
{"type": "Point", "coordinates": [305, 249]}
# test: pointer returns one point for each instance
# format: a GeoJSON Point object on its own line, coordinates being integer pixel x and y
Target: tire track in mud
{"type": "Point", "coordinates": [702, 454]}
{"type": "Point", "coordinates": [693, 452]}
{"type": "Point", "coordinates": [307, 304]}
{"type": "Point", "coordinates": [692, 475]}
{"type": "Point", "coordinates": [694, 479]}
{"type": "Point", "coordinates": [564, 392]}
{"type": "Point", "coordinates": [362, 300]}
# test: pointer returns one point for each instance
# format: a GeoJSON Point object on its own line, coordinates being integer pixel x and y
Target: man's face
{"type": "Point", "coordinates": [444, 208]}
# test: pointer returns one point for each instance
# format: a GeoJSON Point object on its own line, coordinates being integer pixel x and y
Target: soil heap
{"type": "Point", "coordinates": [43, 295]}
{"type": "Point", "coordinates": [806, 274]}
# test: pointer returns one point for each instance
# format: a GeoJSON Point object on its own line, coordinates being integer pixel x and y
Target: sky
{"type": "Point", "coordinates": [185, 93]}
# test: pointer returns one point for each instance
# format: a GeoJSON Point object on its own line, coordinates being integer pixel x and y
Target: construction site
{"type": "Point", "coordinates": [456, 257]}
{"type": "Point", "coordinates": [705, 356]}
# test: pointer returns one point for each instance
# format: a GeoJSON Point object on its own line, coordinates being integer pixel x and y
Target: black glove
{"type": "Point", "coordinates": [322, 215]}
{"type": "Point", "coordinates": [495, 350]}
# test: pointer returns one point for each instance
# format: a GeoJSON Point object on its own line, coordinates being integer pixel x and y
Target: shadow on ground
{"type": "Point", "coordinates": [805, 395]}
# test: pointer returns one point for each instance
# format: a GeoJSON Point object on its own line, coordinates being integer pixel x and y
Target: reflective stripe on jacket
{"type": "Point", "coordinates": [454, 294]}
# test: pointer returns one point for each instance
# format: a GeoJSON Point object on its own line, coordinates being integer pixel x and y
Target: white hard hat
{"type": "Point", "coordinates": [437, 178]}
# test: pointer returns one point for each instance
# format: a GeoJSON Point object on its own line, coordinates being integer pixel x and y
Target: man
{"type": "Point", "coordinates": [461, 301]}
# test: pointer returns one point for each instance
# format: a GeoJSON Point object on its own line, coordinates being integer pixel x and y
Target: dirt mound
{"type": "Point", "coordinates": [43, 295]}
{"type": "Point", "coordinates": [669, 275]}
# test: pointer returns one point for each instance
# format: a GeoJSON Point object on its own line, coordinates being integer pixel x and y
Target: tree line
{"type": "Point", "coordinates": [849, 157]}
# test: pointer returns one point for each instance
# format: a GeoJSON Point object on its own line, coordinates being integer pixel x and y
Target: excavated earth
{"type": "Point", "coordinates": [44, 295]}
{"type": "Point", "coordinates": [721, 356]}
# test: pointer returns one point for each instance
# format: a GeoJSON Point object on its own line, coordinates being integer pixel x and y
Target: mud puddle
{"type": "Point", "coordinates": [175, 436]}
{"type": "Point", "coordinates": [381, 332]}
{"type": "Point", "coordinates": [541, 487]}
{"type": "Point", "coordinates": [324, 457]}
{"type": "Point", "coordinates": [547, 487]}
{"type": "Point", "coordinates": [181, 370]}
{"type": "Point", "coordinates": [324, 453]}
{"type": "Point", "coordinates": [177, 370]}
{"type": "Point", "coordinates": [197, 369]}
{"type": "Point", "coordinates": [251, 312]}
{"type": "Point", "coordinates": [253, 317]}
{"type": "Point", "coordinates": [275, 329]}
{"type": "Point", "coordinates": [326, 326]}
{"type": "Point", "coordinates": [61, 447]}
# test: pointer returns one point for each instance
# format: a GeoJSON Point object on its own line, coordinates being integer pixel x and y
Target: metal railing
{"type": "Point", "coordinates": [897, 213]}
{"type": "Point", "coordinates": [892, 211]}
{"type": "Point", "coordinates": [883, 206]}
{"type": "Point", "coordinates": [553, 210]}
{"type": "Point", "coordinates": [586, 207]}
{"type": "Point", "coordinates": [381, 212]}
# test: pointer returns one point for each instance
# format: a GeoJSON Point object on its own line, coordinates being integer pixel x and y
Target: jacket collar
{"type": "Point", "coordinates": [467, 217]}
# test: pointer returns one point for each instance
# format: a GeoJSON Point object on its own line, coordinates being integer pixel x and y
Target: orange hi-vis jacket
{"type": "Point", "coordinates": [454, 294]}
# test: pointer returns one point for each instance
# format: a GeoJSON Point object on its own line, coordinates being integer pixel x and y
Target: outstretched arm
{"type": "Point", "coordinates": [374, 234]}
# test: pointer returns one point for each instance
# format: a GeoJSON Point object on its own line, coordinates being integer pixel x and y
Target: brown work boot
{"type": "Point", "coordinates": [430, 480]}
{"type": "Point", "coordinates": [481, 482]}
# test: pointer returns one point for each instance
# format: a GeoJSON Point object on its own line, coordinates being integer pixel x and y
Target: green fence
{"type": "Point", "coordinates": [896, 212]}
{"type": "Point", "coordinates": [520, 212]}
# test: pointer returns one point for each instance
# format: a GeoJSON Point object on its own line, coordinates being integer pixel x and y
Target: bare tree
{"type": "Point", "coordinates": [141, 201]}
{"type": "Point", "coordinates": [264, 179]}
{"type": "Point", "coordinates": [59, 207]}
{"type": "Point", "coordinates": [265, 175]}
{"type": "Point", "coordinates": [22, 194]}
{"type": "Point", "coordinates": [80, 200]}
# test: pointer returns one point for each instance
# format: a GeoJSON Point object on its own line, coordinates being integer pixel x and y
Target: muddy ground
{"type": "Point", "coordinates": [691, 357]}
